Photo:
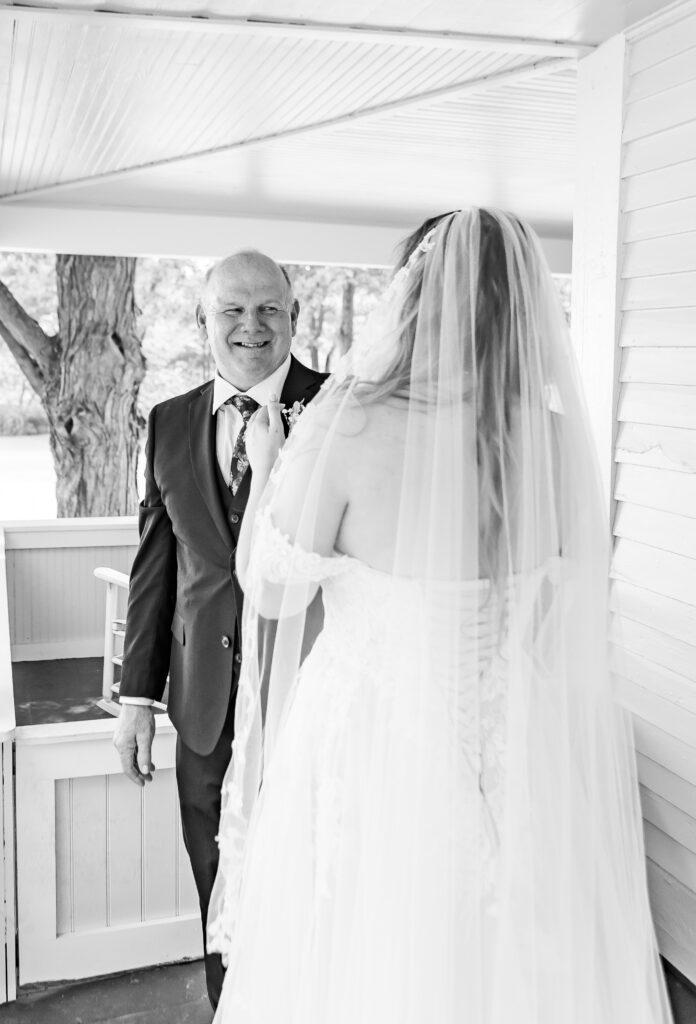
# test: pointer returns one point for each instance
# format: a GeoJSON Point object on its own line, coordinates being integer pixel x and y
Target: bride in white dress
{"type": "Point", "coordinates": [432, 817]}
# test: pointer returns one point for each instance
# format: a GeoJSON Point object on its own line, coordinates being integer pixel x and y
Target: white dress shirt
{"type": "Point", "coordinates": [228, 423]}
{"type": "Point", "coordinates": [229, 420]}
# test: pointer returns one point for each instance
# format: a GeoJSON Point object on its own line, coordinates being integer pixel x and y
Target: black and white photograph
{"type": "Point", "coordinates": [348, 512]}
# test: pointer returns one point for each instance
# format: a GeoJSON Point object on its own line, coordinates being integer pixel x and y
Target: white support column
{"type": "Point", "coordinates": [597, 240]}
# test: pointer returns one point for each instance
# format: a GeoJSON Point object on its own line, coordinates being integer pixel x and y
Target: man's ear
{"type": "Point", "coordinates": [201, 321]}
{"type": "Point", "coordinates": [294, 313]}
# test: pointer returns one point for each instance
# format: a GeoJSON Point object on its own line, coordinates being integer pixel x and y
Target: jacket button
{"type": "Point", "coordinates": [225, 641]}
{"type": "Point", "coordinates": [238, 659]}
{"type": "Point", "coordinates": [234, 518]}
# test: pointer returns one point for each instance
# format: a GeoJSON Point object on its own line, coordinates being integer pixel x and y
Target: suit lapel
{"type": "Point", "coordinates": [301, 384]}
{"type": "Point", "coordinates": [202, 448]}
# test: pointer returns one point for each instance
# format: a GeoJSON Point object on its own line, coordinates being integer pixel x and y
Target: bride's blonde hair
{"type": "Point", "coordinates": [502, 331]}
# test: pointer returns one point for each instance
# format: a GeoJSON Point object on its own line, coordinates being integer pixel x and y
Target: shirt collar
{"type": "Point", "coordinates": [261, 392]}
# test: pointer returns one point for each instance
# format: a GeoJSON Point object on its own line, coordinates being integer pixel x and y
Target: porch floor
{"type": "Point", "coordinates": [175, 994]}
{"type": "Point", "coordinates": [58, 691]}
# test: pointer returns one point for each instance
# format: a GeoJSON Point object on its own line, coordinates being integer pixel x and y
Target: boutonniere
{"type": "Point", "coordinates": [293, 413]}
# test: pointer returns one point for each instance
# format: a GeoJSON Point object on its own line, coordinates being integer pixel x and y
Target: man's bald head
{"type": "Point", "coordinates": [252, 260]}
{"type": "Point", "coordinates": [248, 315]}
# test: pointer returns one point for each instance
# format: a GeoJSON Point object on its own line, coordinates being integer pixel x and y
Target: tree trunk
{"type": "Point", "coordinates": [91, 392]}
{"type": "Point", "coordinates": [345, 332]}
{"type": "Point", "coordinates": [316, 326]}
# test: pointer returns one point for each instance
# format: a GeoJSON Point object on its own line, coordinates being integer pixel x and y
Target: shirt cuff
{"type": "Point", "coordinates": [145, 701]}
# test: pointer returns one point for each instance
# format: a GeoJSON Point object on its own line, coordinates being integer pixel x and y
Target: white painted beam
{"type": "Point", "coordinates": [371, 35]}
{"type": "Point", "coordinates": [467, 87]}
{"type": "Point", "coordinates": [597, 242]}
{"type": "Point", "coordinates": [131, 232]}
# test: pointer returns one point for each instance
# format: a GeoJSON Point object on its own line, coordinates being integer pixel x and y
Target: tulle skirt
{"type": "Point", "coordinates": [378, 888]}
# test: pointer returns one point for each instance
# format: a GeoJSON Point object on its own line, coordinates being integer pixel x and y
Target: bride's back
{"type": "Point", "coordinates": [385, 473]}
{"type": "Point", "coordinates": [383, 497]}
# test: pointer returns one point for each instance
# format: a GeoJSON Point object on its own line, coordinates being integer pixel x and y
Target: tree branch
{"type": "Point", "coordinates": [26, 364]}
{"type": "Point", "coordinates": [24, 332]}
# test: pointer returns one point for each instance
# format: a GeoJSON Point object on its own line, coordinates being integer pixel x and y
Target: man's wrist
{"type": "Point", "coordinates": [142, 701]}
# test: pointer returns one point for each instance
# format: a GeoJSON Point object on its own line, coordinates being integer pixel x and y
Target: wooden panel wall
{"type": "Point", "coordinates": [56, 604]}
{"type": "Point", "coordinates": [120, 858]}
{"type": "Point", "coordinates": [654, 565]}
{"type": "Point", "coordinates": [103, 881]}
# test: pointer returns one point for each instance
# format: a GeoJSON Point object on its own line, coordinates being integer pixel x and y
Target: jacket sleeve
{"type": "Point", "coordinates": [152, 593]}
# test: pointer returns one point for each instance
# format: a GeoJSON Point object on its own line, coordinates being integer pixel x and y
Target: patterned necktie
{"type": "Point", "coordinates": [246, 406]}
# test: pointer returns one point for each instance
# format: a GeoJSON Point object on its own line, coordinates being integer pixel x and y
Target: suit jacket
{"type": "Point", "coordinates": [185, 603]}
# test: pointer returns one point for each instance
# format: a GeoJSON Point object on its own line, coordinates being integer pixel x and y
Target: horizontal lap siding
{"type": "Point", "coordinates": [653, 597]}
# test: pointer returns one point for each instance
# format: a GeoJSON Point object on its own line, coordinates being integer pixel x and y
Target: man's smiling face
{"type": "Point", "coordinates": [249, 317]}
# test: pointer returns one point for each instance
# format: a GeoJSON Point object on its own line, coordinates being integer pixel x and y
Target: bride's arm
{"type": "Point", "coordinates": [312, 521]}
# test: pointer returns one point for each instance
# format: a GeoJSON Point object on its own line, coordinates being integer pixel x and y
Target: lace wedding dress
{"type": "Point", "coordinates": [432, 817]}
{"type": "Point", "coordinates": [323, 895]}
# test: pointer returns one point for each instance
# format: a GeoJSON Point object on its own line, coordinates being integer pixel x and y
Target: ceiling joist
{"type": "Point", "coordinates": [468, 87]}
{"type": "Point", "coordinates": [302, 30]}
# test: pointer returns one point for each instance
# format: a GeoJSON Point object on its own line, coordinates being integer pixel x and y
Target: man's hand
{"type": "Point", "coordinates": [133, 736]}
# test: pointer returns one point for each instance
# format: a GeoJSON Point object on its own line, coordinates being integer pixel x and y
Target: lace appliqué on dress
{"type": "Point", "coordinates": [276, 559]}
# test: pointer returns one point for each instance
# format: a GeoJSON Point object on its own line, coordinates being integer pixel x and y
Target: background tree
{"type": "Point", "coordinates": [87, 377]}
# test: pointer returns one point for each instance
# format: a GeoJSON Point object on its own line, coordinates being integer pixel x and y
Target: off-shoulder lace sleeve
{"type": "Point", "coordinates": [276, 559]}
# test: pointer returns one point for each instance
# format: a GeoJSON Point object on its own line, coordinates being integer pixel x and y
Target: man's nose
{"type": "Point", "coordinates": [251, 321]}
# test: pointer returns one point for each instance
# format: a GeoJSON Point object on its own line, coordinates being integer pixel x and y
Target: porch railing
{"type": "Point", "coordinates": [114, 630]}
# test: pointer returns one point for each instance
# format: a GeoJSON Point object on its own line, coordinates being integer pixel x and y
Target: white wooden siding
{"type": "Point", "coordinates": [654, 565]}
{"type": "Point", "coordinates": [56, 604]}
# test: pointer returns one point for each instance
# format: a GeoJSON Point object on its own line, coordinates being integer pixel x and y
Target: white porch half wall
{"type": "Point", "coordinates": [56, 606]}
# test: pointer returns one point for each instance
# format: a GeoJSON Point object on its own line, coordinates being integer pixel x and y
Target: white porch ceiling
{"type": "Point", "coordinates": [152, 108]}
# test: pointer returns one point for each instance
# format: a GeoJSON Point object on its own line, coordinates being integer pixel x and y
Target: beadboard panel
{"type": "Point", "coordinates": [56, 604]}
{"type": "Point", "coordinates": [103, 882]}
{"type": "Point", "coordinates": [107, 833]}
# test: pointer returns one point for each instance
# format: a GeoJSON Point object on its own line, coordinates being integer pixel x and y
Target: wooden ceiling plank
{"type": "Point", "coordinates": [306, 29]}
{"type": "Point", "coordinates": [470, 86]}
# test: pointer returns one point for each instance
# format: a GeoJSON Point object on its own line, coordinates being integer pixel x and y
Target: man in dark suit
{"type": "Point", "coordinates": [185, 603]}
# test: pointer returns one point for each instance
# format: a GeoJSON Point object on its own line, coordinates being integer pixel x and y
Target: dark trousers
{"type": "Point", "coordinates": [199, 779]}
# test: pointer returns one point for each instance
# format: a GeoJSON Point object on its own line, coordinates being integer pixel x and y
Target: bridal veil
{"type": "Point", "coordinates": [510, 842]}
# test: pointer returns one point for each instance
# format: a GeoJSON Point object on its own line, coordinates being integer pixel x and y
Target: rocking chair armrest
{"type": "Point", "coordinates": [119, 579]}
